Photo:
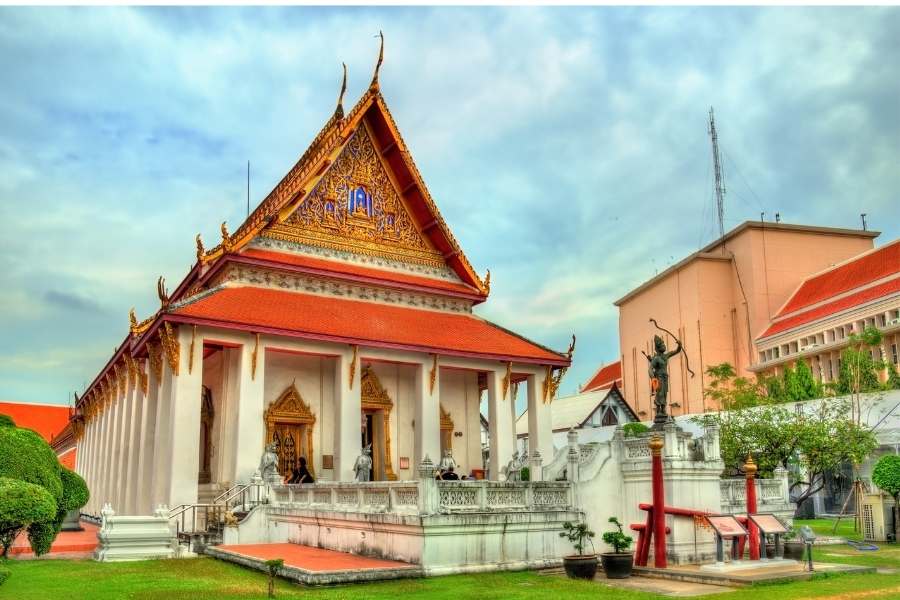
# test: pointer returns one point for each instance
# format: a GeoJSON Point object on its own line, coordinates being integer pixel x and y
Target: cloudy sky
{"type": "Point", "coordinates": [566, 148]}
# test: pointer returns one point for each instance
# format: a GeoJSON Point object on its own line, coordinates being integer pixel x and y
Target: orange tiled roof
{"type": "Point", "coordinates": [605, 377]}
{"type": "Point", "coordinates": [324, 317]}
{"type": "Point", "coordinates": [861, 297]}
{"type": "Point", "coordinates": [341, 268]}
{"type": "Point", "coordinates": [855, 273]}
{"type": "Point", "coordinates": [46, 419]}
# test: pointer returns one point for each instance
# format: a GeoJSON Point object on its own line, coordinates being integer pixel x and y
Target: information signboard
{"type": "Point", "coordinates": [769, 523]}
{"type": "Point", "coordinates": [726, 526]}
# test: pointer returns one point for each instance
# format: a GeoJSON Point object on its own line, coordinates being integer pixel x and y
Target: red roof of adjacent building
{"type": "Point", "coordinates": [857, 272]}
{"type": "Point", "coordinates": [351, 321]}
{"type": "Point", "coordinates": [330, 267]}
{"type": "Point", "coordinates": [605, 377]}
{"type": "Point", "coordinates": [861, 297]}
{"type": "Point", "coordinates": [67, 459]}
{"type": "Point", "coordinates": [45, 419]}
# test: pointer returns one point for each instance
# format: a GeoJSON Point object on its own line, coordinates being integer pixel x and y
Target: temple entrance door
{"type": "Point", "coordinates": [289, 424]}
{"type": "Point", "coordinates": [376, 414]}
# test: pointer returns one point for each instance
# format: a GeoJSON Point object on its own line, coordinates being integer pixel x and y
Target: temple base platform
{"type": "Point", "coordinates": [315, 566]}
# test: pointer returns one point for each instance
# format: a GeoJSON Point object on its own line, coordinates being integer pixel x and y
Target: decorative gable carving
{"type": "Point", "coordinates": [289, 408]}
{"type": "Point", "coordinates": [373, 395]}
{"type": "Point", "coordinates": [355, 207]}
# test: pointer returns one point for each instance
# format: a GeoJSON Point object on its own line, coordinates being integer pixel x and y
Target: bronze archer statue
{"type": "Point", "coordinates": [659, 374]}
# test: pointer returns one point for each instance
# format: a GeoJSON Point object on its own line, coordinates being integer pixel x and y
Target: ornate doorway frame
{"type": "Point", "coordinates": [290, 410]}
{"type": "Point", "coordinates": [447, 428]}
{"type": "Point", "coordinates": [375, 399]}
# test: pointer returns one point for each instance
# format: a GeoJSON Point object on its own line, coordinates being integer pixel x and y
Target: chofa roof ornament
{"type": "Point", "coordinates": [374, 85]}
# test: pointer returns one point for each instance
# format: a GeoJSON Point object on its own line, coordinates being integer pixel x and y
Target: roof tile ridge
{"type": "Point", "coordinates": [518, 335]}
{"type": "Point", "coordinates": [836, 298]}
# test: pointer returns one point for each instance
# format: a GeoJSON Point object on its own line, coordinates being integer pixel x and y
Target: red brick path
{"type": "Point", "coordinates": [312, 559]}
{"type": "Point", "coordinates": [70, 543]}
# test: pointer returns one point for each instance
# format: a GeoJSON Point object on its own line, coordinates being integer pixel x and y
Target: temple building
{"type": "Point", "coordinates": [339, 316]}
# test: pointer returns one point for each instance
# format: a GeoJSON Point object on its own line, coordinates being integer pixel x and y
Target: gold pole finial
{"type": "Point", "coordinates": [750, 467]}
{"type": "Point", "coordinates": [656, 445]}
{"type": "Point", "coordinates": [374, 85]}
{"type": "Point", "coordinates": [339, 111]}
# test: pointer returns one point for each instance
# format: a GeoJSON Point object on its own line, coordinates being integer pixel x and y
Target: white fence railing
{"type": "Point", "coordinates": [771, 494]}
{"type": "Point", "coordinates": [426, 496]}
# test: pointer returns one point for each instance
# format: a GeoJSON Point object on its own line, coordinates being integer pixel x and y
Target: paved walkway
{"type": "Point", "coordinates": [68, 544]}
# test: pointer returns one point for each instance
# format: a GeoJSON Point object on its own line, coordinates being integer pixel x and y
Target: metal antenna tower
{"type": "Point", "coordinates": [720, 180]}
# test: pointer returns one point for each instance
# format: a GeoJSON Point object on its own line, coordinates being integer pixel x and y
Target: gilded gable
{"type": "Point", "coordinates": [355, 207]}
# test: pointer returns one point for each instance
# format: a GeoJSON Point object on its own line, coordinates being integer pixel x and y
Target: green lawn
{"type": "Point", "coordinates": [208, 578]}
{"type": "Point", "coordinates": [824, 527]}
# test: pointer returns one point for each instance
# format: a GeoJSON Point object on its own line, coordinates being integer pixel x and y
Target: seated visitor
{"type": "Point", "coordinates": [292, 477]}
{"type": "Point", "coordinates": [303, 474]}
{"type": "Point", "coordinates": [449, 475]}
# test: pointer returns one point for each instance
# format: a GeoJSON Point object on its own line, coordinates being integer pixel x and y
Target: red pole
{"type": "Point", "coordinates": [659, 505]}
{"type": "Point", "coordinates": [752, 529]}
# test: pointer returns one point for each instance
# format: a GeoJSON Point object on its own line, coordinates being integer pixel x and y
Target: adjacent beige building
{"type": "Point", "coordinates": [719, 300]}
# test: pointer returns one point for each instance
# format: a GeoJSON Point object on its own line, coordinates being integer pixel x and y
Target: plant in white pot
{"type": "Point", "coordinates": [581, 565]}
{"type": "Point", "coordinates": [617, 564]}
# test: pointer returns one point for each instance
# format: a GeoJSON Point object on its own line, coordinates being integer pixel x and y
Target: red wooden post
{"type": "Point", "coordinates": [659, 505]}
{"type": "Point", "coordinates": [752, 529]}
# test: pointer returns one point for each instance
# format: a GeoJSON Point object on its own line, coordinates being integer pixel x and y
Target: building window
{"type": "Point", "coordinates": [830, 370]}
{"type": "Point", "coordinates": [894, 355]}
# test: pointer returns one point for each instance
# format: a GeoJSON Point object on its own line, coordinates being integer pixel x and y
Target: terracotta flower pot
{"type": "Point", "coordinates": [580, 566]}
{"type": "Point", "coordinates": [617, 565]}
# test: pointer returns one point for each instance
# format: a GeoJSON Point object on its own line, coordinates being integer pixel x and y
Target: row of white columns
{"type": "Point", "coordinates": [143, 450]}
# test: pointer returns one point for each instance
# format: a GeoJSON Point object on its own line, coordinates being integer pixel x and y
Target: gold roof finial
{"type": "Point", "coordinates": [339, 111]}
{"type": "Point", "coordinates": [226, 238]}
{"type": "Point", "coordinates": [487, 282]}
{"type": "Point", "coordinates": [374, 85]}
{"type": "Point", "coordinates": [132, 318]}
{"type": "Point", "coordinates": [161, 292]}
{"type": "Point", "coordinates": [200, 250]}
{"type": "Point", "coordinates": [571, 349]}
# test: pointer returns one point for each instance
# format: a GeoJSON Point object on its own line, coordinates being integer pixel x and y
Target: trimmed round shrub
{"type": "Point", "coordinates": [25, 455]}
{"type": "Point", "coordinates": [42, 534]}
{"type": "Point", "coordinates": [6, 421]}
{"type": "Point", "coordinates": [22, 504]}
{"type": "Point", "coordinates": [75, 490]}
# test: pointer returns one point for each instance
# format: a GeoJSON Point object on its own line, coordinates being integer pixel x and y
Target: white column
{"type": "Point", "coordinates": [540, 424]}
{"type": "Point", "coordinates": [95, 461]}
{"type": "Point", "coordinates": [347, 415]}
{"type": "Point", "coordinates": [427, 414]}
{"type": "Point", "coordinates": [249, 438]}
{"type": "Point", "coordinates": [185, 427]}
{"type": "Point", "coordinates": [501, 424]}
{"type": "Point", "coordinates": [134, 447]}
{"type": "Point", "coordinates": [100, 460]}
{"type": "Point", "coordinates": [146, 456]}
{"type": "Point", "coordinates": [162, 454]}
{"type": "Point", "coordinates": [227, 416]}
{"type": "Point", "coordinates": [109, 482]}
{"type": "Point", "coordinates": [512, 410]}
{"type": "Point", "coordinates": [121, 454]}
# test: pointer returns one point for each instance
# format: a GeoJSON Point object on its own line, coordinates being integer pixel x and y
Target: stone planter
{"type": "Point", "coordinates": [580, 566]}
{"type": "Point", "coordinates": [617, 565]}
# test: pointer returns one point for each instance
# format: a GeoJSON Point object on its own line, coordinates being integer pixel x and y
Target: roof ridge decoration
{"type": "Point", "coordinates": [292, 191]}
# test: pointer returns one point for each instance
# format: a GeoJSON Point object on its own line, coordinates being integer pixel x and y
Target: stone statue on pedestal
{"type": "Point", "coordinates": [363, 465]}
{"type": "Point", "coordinates": [268, 464]}
{"type": "Point", "coordinates": [514, 468]}
{"type": "Point", "coordinates": [447, 461]}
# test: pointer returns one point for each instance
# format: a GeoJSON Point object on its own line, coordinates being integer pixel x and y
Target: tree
{"type": "Point", "coordinates": [731, 392]}
{"type": "Point", "coordinates": [27, 459]}
{"type": "Point", "coordinates": [809, 441]}
{"type": "Point", "coordinates": [859, 370]}
{"type": "Point", "coordinates": [808, 386]}
{"type": "Point", "coordinates": [21, 505]}
{"type": "Point", "coordinates": [893, 380]}
{"type": "Point", "coordinates": [886, 475]}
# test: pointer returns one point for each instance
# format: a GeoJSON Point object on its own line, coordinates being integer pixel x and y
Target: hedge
{"type": "Point", "coordinates": [22, 505]}
{"type": "Point", "coordinates": [6, 421]}
{"type": "Point", "coordinates": [75, 490]}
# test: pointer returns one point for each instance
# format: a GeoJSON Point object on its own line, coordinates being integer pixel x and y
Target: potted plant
{"type": "Point", "coordinates": [617, 564]}
{"type": "Point", "coordinates": [581, 565]}
{"type": "Point", "coordinates": [793, 547]}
